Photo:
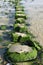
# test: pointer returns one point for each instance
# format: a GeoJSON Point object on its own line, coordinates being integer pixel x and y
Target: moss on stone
{"type": "Point", "coordinates": [19, 8]}
{"type": "Point", "coordinates": [14, 37]}
{"type": "Point", "coordinates": [16, 57]}
{"type": "Point", "coordinates": [20, 16]}
{"type": "Point", "coordinates": [20, 20]}
{"type": "Point", "coordinates": [20, 28]}
{"type": "Point", "coordinates": [3, 27]}
{"type": "Point", "coordinates": [19, 12]}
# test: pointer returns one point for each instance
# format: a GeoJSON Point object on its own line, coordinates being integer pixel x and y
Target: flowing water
{"type": "Point", "coordinates": [34, 11]}
{"type": "Point", "coordinates": [6, 12]}
{"type": "Point", "coordinates": [6, 16]}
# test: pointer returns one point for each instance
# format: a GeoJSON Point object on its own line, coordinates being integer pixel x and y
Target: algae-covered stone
{"type": "Point", "coordinates": [14, 37]}
{"type": "Point", "coordinates": [20, 28]}
{"type": "Point", "coordinates": [20, 16]}
{"type": "Point", "coordinates": [20, 12]}
{"type": "Point", "coordinates": [20, 53]}
{"type": "Point", "coordinates": [17, 36]}
{"type": "Point", "coordinates": [19, 8]}
{"type": "Point", "coordinates": [3, 27]}
{"type": "Point", "coordinates": [20, 20]}
{"type": "Point", "coordinates": [20, 48]}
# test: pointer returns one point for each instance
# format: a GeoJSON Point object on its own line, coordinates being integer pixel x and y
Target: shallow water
{"type": "Point", "coordinates": [6, 12]}
{"type": "Point", "coordinates": [34, 9]}
{"type": "Point", "coordinates": [6, 15]}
